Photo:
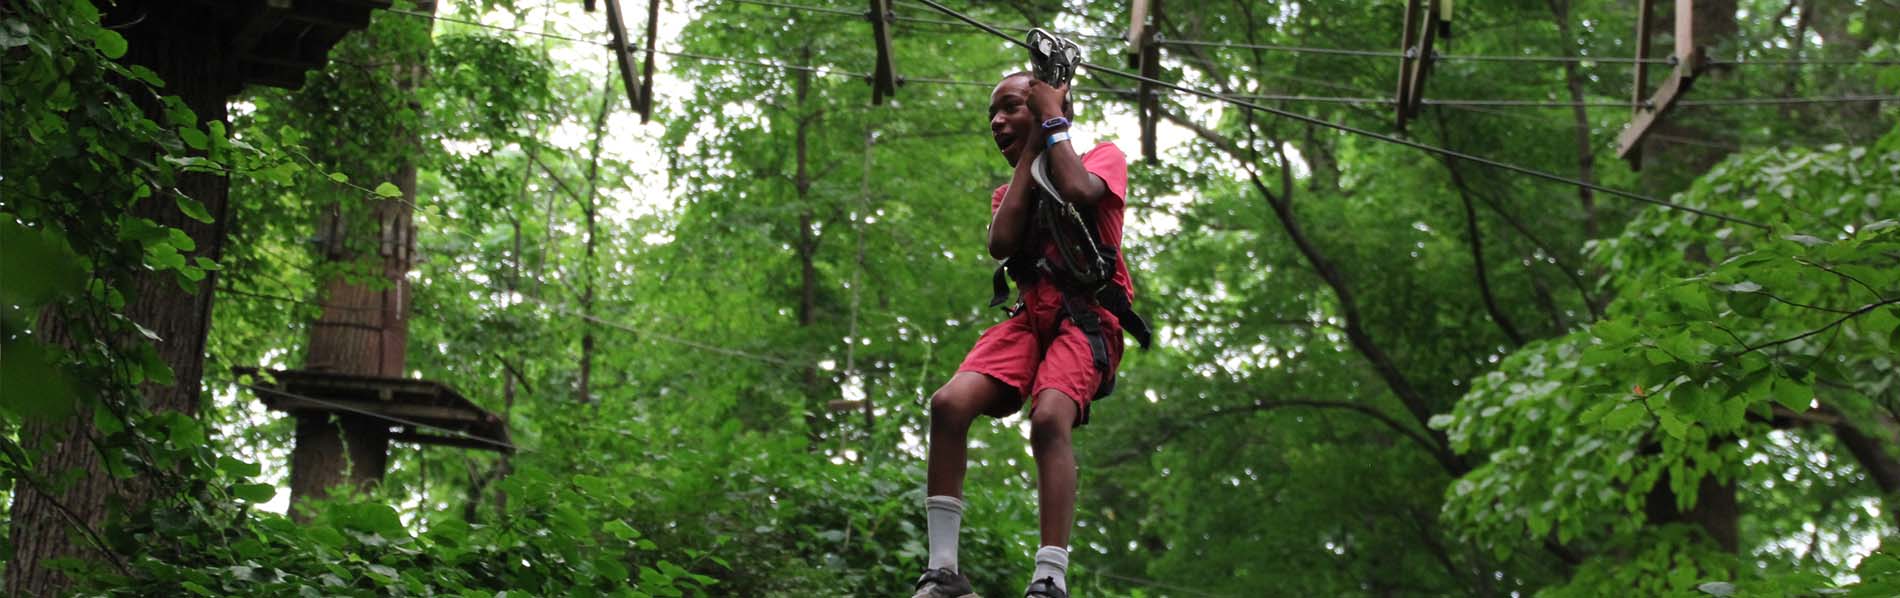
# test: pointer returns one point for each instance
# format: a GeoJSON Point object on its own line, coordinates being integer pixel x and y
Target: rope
{"type": "Point", "coordinates": [1371, 134]}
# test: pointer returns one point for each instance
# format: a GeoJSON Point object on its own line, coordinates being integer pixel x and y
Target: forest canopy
{"type": "Point", "coordinates": [612, 333]}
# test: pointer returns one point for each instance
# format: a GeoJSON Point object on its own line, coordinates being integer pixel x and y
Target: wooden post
{"type": "Point", "coordinates": [1408, 35]}
{"type": "Point", "coordinates": [618, 26]}
{"type": "Point", "coordinates": [646, 76]}
{"type": "Point", "coordinates": [1145, 56]}
{"type": "Point", "coordinates": [1418, 61]}
{"type": "Point", "coordinates": [884, 74]}
{"type": "Point", "coordinates": [1689, 62]}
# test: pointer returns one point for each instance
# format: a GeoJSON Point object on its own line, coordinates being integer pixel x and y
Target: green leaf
{"type": "Point", "coordinates": [193, 138]}
{"type": "Point", "coordinates": [35, 385]}
{"type": "Point", "coordinates": [339, 177]}
{"type": "Point", "coordinates": [388, 190]}
{"type": "Point", "coordinates": [1792, 394]}
{"type": "Point", "coordinates": [194, 210]}
{"type": "Point", "coordinates": [36, 265]}
{"type": "Point", "coordinates": [620, 529]}
{"type": "Point", "coordinates": [1717, 588]}
{"type": "Point", "coordinates": [109, 42]}
{"type": "Point", "coordinates": [1623, 416]}
{"type": "Point", "coordinates": [256, 493]}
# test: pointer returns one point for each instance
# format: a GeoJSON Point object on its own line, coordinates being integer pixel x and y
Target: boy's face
{"type": "Point", "coordinates": [1010, 121]}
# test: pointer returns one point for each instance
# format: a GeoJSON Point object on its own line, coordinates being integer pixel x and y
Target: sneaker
{"type": "Point", "coordinates": [1045, 587]}
{"type": "Point", "coordinates": [944, 583]}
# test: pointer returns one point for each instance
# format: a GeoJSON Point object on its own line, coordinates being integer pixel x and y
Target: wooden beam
{"type": "Point", "coordinates": [1422, 66]}
{"type": "Point", "coordinates": [409, 435]}
{"type": "Point", "coordinates": [1145, 57]}
{"type": "Point", "coordinates": [1689, 63]}
{"type": "Point", "coordinates": [258, 23]}
{"type": "Point", "coordinates": [1628, 144]}
{"type": "Point", "coordinates": [884, 74]}
{"type": "Point", "coordinates": [1138, 34]}
{"type": "Point", "coordinates": [430, 414]}
{"type": "Point", "coordinates": [646, 76]}
{"type": "Point", "coordinates": [1408, 35]}
{"type": "Point", "coordinates": [1641, 96]}
{"type": "Point", "coordinates": [617, 25]}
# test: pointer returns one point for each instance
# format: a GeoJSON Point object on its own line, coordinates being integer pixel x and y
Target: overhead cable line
{"type": "Point", "coordinates": [1357, 52]}
{"type": "Point", "coordinates": [1117, 91]}
{"type": "Point", "coordinates": [1362, 132]}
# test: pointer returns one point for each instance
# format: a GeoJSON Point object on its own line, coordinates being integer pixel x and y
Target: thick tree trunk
{"type": "Point", "coordinates": [43, 525]}
{"type": "Point", "coordinates": [364, 326]}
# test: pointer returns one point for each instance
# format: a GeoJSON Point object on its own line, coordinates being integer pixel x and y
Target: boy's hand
{"type": "Point", "coordinates": [1045, 102]}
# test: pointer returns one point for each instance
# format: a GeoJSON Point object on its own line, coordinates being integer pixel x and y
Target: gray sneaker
{"type": "Point", "coordinates": [944, 583]}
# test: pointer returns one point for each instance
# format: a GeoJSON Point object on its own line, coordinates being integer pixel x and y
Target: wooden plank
{"type": "Point", "coordinates": [408, 435]}
{"type": "Point", "coordinates": [1422, 65]}
{"type": "Point", "coordinates": [1641, 94]}
{"type": "Point", "coordinates": [884, 75]}
{"type": "Point", "coordinates": [428, 414]}
{"type": "Point", "coordinates": [618, 26]}
{"type": "Point", "coordinates": [1690, 62]}
{"type": "Point", "coordinates": [1147, 60]}
{"type": "Point", "coordinates": [1138, 33]}
{"type": "Point", "coordinates": [1149, 107]}
{"type": "Point", "coordinates": [260, 22]}
{"type": "Point", "coordinates": [646, 76]}
{"type": "Point", "coordinates": [1408, 35]}
{"type": "Point", "coordinates": [1672, 89]}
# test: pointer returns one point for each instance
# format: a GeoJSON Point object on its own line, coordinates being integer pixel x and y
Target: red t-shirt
{"type": "Point", "coordinates": [1106, 161]}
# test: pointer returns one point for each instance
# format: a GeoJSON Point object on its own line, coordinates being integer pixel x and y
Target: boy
{"type": "Point", "coordinates": [1040, 352]}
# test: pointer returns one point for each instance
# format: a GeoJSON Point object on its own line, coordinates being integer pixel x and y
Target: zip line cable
{"type": "Point", "coordinates": [1357, 52]}
{"type": "Point", "coordinates": [1296, 98]}
{"type": "Point", "coordinates": [1366, 133]}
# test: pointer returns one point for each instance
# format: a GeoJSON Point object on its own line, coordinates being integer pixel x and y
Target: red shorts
{"type": "Point", "coordinates": [1038, 350]}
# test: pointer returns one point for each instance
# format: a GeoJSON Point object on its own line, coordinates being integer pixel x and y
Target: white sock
{"type": "Point", "coordinates": [1052, 561]}
{"type": "Point", "coordinates": [943, 515]}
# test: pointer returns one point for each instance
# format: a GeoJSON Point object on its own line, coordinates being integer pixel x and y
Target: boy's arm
{"type": "Point", "coordinates": [1076, 184]}
{"type": "Point", "coordinates": [1012, 215]}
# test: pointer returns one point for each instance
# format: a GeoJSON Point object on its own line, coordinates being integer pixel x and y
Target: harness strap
{"type": "Point", "coordinates": [1077, 307]}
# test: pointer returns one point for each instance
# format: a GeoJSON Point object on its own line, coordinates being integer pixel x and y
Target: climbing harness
{"type": "Point", "coordinates": [1084, 270]}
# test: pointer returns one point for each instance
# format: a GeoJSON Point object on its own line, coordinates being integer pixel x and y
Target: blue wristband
{"type": "Point", "coordinates": [1055, 122]}
{"type": "Point", "coordinates": [1058, 137]}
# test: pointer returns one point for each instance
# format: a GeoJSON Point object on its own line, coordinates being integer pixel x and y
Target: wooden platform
{"type": "Point", "coordinates": [422, 411]}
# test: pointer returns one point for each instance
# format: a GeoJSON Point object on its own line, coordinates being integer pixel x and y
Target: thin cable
{"type": "Point", "coordinates": [1374, 135]}
{"type": "Point", "coordinates": [609, 45]}
{"type": "Point", "coordinates": [381, 416]}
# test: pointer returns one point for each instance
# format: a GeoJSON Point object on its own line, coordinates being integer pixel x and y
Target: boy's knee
{"type": "Point", "coordinates": [947, 403]}
{"type": "Point", "coordinates": [1053, 416]}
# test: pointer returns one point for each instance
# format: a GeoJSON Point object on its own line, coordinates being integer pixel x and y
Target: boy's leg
{"type": "Point", "coordinates": [952, 409]}
{"type": "Point", "coordinates": [1064, 385]}
{"type": "Point", "coordinates": [1050, 428]}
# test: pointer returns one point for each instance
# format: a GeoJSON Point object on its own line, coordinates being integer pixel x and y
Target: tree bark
{"type": "Point", "coordinates": [364, 325]}
{"type": "Point", "coordinates": [44, 519]}
{"type": "Point", "coordinates": [590, 209]}
{"type": "Point", "coordinates": [1586, 159]}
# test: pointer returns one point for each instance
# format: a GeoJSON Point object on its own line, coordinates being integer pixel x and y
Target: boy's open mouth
{"type": "Point", "coordinates": [1003, 141]}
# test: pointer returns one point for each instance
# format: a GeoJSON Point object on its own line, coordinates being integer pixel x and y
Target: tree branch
{"type": "Point", "coordinates": [1477, 259]}
{"type": "Point", "coordinates": [1414, 401]}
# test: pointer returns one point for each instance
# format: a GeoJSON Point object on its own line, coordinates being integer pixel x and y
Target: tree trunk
{"type": "Point", "coordinates": [364, 326]}
{"type": "Point", "coordinates": [1586, 159]}
{"type": "Point", "coordinates": [589, 211]}
{"type": "Point", "coordinates": [191, 64]}
{"type": "Point", "coordinates": [807, 247]}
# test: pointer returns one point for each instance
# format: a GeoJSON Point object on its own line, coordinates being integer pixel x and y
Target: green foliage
{"type": "Point", "coordinates": [785, 245]}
